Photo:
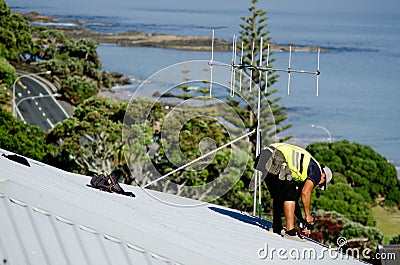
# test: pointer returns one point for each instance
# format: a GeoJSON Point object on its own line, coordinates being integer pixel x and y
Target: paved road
{"type": "Point", "coordinates": [34, 104]}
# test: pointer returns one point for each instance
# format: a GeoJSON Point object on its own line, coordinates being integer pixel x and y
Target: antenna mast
{"type": "Point", "coordinates": [260, 68]}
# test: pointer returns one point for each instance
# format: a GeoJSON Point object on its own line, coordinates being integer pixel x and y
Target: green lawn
{"type": "Point", "coordinates": [388, 221]}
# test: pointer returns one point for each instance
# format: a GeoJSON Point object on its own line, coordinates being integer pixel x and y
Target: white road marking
{"type": "Point", "coordinates": [51, 124]}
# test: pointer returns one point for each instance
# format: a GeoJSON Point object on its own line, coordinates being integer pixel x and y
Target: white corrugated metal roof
{"type": "Point", "coordinates": [49, 216]}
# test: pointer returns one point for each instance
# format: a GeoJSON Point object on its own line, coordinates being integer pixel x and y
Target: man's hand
{"type": "Point", "coordinates": [306, 232]}
{"type": "Point", "coordinates": [306, 227]}
{"type": "Point", "coordinates": [310, 218]}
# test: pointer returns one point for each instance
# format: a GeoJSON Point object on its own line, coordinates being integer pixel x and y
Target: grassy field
{"type": "Point", "coordinates": [388, 221]}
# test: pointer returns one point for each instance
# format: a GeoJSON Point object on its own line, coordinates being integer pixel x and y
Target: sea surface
{"type": "Point", "coordinates": [359, 89]}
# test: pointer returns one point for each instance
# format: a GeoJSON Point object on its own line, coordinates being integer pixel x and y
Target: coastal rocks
{"type": "Point", "coordinates": [196, 43]}
{"type": "Point", "coordinates": [141, 39]}
{"type": "Point", "coordinates": [38, 18]}
{"type": "Point", "coordinates": [119, 78]}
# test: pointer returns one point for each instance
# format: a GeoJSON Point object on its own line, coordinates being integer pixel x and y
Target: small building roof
{"type": "Point", "coordinates": [389, 254]}
{"type": "Point", "coordinates": [49, 216]}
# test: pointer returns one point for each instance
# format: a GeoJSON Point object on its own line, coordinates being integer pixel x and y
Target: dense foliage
{"type": "Point", "coordinates": [395, 240]}
{"type": "Point", "coordinates": [366, 171]}
{"type": "Point", "coordinates": [7, 72]}
{"type": "Point", "coordinates": [74, 87]}
{"type": "Point", "coordinates": [330, 226]}
{"type": "Point", "coordinates": [74, 64]}
{"type": "Point", "coordinates": [342, 198]}
{"type": "Point", "coordinates": [15, 35]}
{"type": "Point", "coordinates": [90, 141]}
{"type": "Point", "coordinates": [360, 176]}
{"type": "Point", "coordinates": [15, 42]}
{"type": "Point", "coordinates": [23, 139]}
{"type": "Point", "coordinates": [197, 137]}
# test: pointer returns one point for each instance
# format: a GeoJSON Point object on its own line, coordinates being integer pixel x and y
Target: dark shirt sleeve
{"type": "Point", "coordinates": [314, 172]}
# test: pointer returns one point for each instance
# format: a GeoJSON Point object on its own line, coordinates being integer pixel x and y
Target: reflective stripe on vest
{"type": "Point", "coordinates": [297, 159]}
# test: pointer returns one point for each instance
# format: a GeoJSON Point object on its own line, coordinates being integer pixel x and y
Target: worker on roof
{"type": "Point", "coordinates": [291, 173]}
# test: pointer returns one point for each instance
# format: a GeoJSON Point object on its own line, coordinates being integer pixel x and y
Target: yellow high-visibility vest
{"type": "Point", "coordinates": [297, 160]}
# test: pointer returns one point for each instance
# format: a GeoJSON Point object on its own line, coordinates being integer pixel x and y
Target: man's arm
{"type": "Point", "coordinates": [306, 199]}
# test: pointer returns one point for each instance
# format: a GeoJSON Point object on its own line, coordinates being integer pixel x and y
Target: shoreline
{"type": "Point", "coordinates": [77, 30]}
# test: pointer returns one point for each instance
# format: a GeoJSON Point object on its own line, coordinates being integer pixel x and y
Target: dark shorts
{"type": "Point", "coordinates": [283, 190]}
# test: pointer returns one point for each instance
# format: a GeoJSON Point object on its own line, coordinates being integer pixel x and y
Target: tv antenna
{"type": "Point", "coordinates": [262, 69]}
{"type": "Point", "coordinates": [234, 66]}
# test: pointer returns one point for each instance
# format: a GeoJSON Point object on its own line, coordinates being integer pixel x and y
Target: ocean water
{"type": "Point", "coordinates": [359, 89]}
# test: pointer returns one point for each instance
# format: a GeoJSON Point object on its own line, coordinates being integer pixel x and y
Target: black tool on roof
{"type": "Point", "coordinates": [108, 183]}
{"type": "Point", "coordinates": [18, 159]}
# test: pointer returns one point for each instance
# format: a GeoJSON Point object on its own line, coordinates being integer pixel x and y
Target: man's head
{"type": "Point", "coordinates": [326, 177]}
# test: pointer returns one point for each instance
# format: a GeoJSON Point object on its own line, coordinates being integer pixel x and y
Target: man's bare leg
{"type": "Point", "coordinates": [288, 209]}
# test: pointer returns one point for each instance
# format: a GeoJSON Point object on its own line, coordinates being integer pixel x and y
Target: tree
{"type": "Point", "coordinates": [74, 64]}
{"type": "Point", "coordinates": [20, 138]}
{"type": "Point", "coordinates": [77, 89]}
{"type": "Point", "coordinates": [91, 140]}
{"type": "Point", "coordinates": [341, 198]}
{"type": "Point", "coordinates": [238, 197]}
{"type": "Point", "coordinates": [15, 36]}
{"type": "Point", "coordinates": [191, 137]}
{"type": "Point", "coordinates": [7, 72]}
{"type": "Point", "coordinates": [47, 42]}
{"type": "Point", "coordinates": [252, 30]}
{"type": "Point", "coordinates": [85, 49]}
{"type": "Point", "coordinates": [140, 132]}
{"type": "Point", "coordinates": [395, 240]}
{"type": "Point", "coordinates": [368, 173]}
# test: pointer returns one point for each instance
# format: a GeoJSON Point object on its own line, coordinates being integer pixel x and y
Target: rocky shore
{"type": "Point", "coordinates": [140, 39]}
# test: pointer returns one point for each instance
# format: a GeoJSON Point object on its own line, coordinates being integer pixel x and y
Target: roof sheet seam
{"type": "Point", "coordinates": [41, 211]}
{"type": "Point", "coordinates": [18, 202]}
{"type": "Point", "coordinates": [37, 234]}
{"type": "Point", "coordinates": [112, 238]}
{"type": "Point", "coordinates": [81, 244]}
{"type": "Point", "coordinates": [158, 257]}
{"type": "Point", "coordinates": [16, 231]}
{"type": "Point", "coordinates": [136, 248]}
{"type": "Point", "coordinates": [103, 248]}
{"type": "Point", "coordinates": [88, 229]}
{"type": "Point", "coordinates": [63, 220]}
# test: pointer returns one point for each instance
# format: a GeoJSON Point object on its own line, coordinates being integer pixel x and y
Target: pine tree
{"type": "Point", "coordinates": [252, 30]}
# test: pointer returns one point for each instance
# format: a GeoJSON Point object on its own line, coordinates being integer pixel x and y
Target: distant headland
{"type": "Point", "coordinates": [141, 39]}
